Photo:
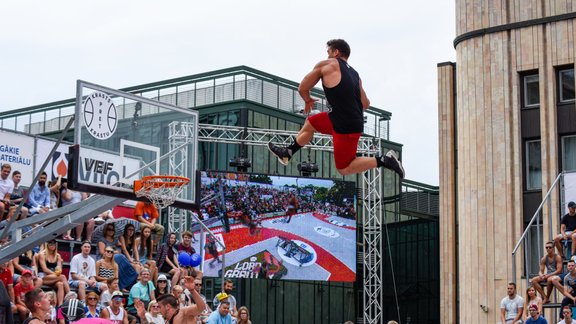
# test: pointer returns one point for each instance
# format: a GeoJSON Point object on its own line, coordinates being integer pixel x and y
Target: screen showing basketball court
{"type": "Point", "coordinates": [279, 227]}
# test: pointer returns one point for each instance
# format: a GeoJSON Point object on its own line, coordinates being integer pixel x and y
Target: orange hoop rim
{"type": "Point", "coordinates": [160, 181]}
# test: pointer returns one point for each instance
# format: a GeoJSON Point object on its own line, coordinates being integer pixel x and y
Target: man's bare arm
{"type": "Point", "coordinates": [363, 97]}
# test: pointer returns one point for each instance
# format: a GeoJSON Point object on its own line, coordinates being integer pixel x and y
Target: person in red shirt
{"type": "Point", "coordinates": [7, 279]}
{"type": "Point", "coordinates": [147, 214]}
{"type": "Point", "coordinates": [20, 290]}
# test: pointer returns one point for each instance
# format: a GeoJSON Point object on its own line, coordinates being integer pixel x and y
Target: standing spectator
{"type": "Point", "coordinates": [147, 214]}
{"type": "Point", "coordinates": [221, 315]}
{"type": "Point", "coordinates": [50, 263]}
{"type": "Point", "coordinates": [511, 306]}
{"type": "Point", "coordinates": [178, 293]}
{"type": "Point", "coordinates": [39, 198]}
{"type": "Point", "coordinates": [153, 315]}
{"type": "Point", "coordinates": [167, 259]}
{"type": "Point", "coordinates": [532, 298]}
{"type": "Point", "coordinates": [228, 287]}
{"type": "Point", "coordinates": [21, 288]}
{"type": "Point", "coordinates": [69, 197]}
{"type": "Point", "coordinates": [38, 304]}
{"type": "Point", "coordinates": [6, 188]}
{"type": "Point", "coordinates": [91, 309]}
{"type": "Point", "coordinates": [169, 307]}
{"type": "Point", "coordinates": [203, 317]}
{"type": "Point", "coordinates": [83, 272]}
{"type": "Point", "coordinates": [52, 314]}
{"type": "Point", "coordinates": [567, 227]}
{"type": "Point", "coordinates": [535, 317]}
{"type": "Point", "coordinates": [142, 291]}
{"type": "Point", "coordinates": [243, 316]}
{"type": "Point", "coordinates": [550, 273]}
{"type": "Point", "coordinates": [18, 194]}
{"type": "Point", "coordinates": [567, 314]}
{"type": "Point", "coordinates": [569, 285]}
{"type": "Point", "coordinates": [143, 251]}
{"type": "Point", "coordinates": [115, 312]}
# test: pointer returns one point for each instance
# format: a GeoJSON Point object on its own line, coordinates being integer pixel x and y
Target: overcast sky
{"type": "Point", "coordinates": [45, 46]}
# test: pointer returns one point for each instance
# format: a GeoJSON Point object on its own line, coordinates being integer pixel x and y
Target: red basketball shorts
{"type": "Point", "coordinates": [345, 145]}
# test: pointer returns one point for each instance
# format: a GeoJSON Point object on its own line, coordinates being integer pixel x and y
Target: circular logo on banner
{"type": "Point", "coordinates": [100, 115]}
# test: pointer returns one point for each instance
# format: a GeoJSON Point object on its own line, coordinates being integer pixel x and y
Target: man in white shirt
{"type": "Point", "coordinates": [83, 272]}
{"type": "Point", "coordinates": [6, 188]}
{"type": "Point", "coordinates": [511, 307]}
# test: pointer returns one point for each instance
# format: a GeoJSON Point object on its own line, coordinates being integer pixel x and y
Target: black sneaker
{"type": "Point", "coordinates": [281, 153]}
{"type": "Point", "coordinates": [391, 162]}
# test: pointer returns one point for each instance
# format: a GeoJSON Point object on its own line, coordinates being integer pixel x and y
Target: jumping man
{"type": "Point", "coordinates": [345, 122]}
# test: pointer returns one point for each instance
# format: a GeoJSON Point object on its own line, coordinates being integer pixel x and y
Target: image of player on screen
{"type": "Point", "coordinates": [292, 207]}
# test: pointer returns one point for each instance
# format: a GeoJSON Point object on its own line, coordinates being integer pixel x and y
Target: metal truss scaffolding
{"type": "Point", "coordinates": [371, 194]}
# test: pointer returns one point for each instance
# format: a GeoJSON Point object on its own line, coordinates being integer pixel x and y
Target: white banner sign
{"type": "Point", "coordinates": [18, 151]}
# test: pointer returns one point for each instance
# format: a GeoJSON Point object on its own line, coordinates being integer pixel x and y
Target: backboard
{"type": "Point", "coordinates": [120, 137]}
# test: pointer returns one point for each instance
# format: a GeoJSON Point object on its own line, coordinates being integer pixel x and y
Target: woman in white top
{"type": "Point", "coordinates": [153, 314]}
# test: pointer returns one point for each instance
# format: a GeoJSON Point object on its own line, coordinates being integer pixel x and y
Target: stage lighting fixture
{"type": "Point", "coordinates": [306, 168]}
{"type": "Point", "coordinates": [241, 164]}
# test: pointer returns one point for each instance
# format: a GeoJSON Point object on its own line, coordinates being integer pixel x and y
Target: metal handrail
{"type": "Point", "coordinates": [536, 215]}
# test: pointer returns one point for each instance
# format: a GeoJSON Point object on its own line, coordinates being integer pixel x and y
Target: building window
{"type": "Point", "coordinates": [531, 90]}
{"type": "Point", "coordinates": [569, 153]}
{"type": "Point", "coordinates": [566, 85]}
{"type": "Point", "coordinates": [533, 165]}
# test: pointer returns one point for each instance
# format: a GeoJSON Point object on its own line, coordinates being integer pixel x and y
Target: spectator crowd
{"type": "Point", "coordinates": [127, 274]}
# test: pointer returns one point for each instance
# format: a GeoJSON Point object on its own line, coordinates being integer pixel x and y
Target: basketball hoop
{"type": "Point", "coordinates": [161, 190]}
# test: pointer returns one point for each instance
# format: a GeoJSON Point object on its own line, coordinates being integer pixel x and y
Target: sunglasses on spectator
{"type": "Point", "coordinates": [549, 247]}
{"type": "Point", "coordinates": [155, 306]}
{"type": "Point", "coordinates": [110, 229]}
{"type": "Point", "coordinates": [92, 298]}
{"type": "Point", "coordinates": [109, 251]}
{"type": "Point", "coordinates": [117, 298]}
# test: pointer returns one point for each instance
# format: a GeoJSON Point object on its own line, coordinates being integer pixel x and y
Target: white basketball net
{"type": "Point", "coordinates": [161, 191]}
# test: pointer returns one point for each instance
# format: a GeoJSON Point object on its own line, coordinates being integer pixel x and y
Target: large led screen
{"type": "Point", "coordinates": [279, 227]}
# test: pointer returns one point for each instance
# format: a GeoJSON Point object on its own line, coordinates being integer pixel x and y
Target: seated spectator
{"type": "Point", "coordinates": [7, 280]}
{"type": "Point", "coordinates": [142, 291]}
{"type": "Point", "coordinates": [206, 311]}
{"type": "Point", "coordinates": [109, 241]}
{"type": "Point", "coordinates": [243, 316]}
{"type": "Point", "coordinates": [567, 314]}
{"type": "Point", "coordinates": [68, 197]}
{"type": "Point", "coordinates": [38, 304]}
{"type": "Point", "coordinates": [532, 298]}
{"type": "Point", "coordinates": [53, 313]}
{"type": "Point", "coordinates": [535, 317]}
{"type": "Point", "coordinates": [83, 272]}
{"type": "Point", "coordinates": [50, 264]}
{"type": "Point", "coordinates": [550, 273]}
{"type": "Point", "coordinates": [39, 198]}
{"type": "Point", "coordinates": [567, 227]}
{"type": "Point", "coordinates": [511, 306]}
{"type": "Point", "coordinates": [91, 308]}
{"type": "Point", "coordinates": [18, 194]}
{"type": "Point", "coordinates": [153, 314]}
{"type": "Point", "coordinates": [147, 214]}
{"type": "Point", "coordinates": [127, 240]}
{"type": "Point", "coordinates": [55, 192]}
{"type": "Point", "coordinates": [106, 297]}
{"type": "Point", "coordinates": [6, 188]}
{"type": "Point", "coordinates": [26, 261]}
{"type": "Point", "coordinates": [106, 267]}
{"type": "Point", "coordinates": [569, 285]}
{"type": "Point", "coordinates": [115, 312]}
{"type": "Point", "coordinates": [221, 315]}
{"type": "Point", "coordinates": [21, 288]}
{"type": "Point", "coordinates": [178, 293]}
{"type": "Point", "coordinates": [167, 259]}
{"type": "Point", "coordinates": [143, 250]}
{"type": "Point", "coordinates": [162, 286]}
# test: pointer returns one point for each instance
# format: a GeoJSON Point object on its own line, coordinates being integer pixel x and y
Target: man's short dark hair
{"type": "Point", "coordinates": [32, 297]}
{"type": "Point", "coordinates": [187, 233]}
{"type": "Point", "coordinates": [512, 284]}
{"type": "Point", "coordinates": [6, 165]}
{"type": "Point", "coordinates": [228, 281]}
{"type": "Point", "coordinates": [44, 173]}
{"type": "Point", "coordinates": [16, 172]}
{"type": "Point", "coordinates": [168, 300]}
{"type": "Point", "coordinates": [340, 45]}
{"type": "Point", "coordinates": [224, 302]}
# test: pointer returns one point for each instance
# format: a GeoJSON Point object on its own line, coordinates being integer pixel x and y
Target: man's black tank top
{"type": "Point", "coordinates": [347, 113]}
